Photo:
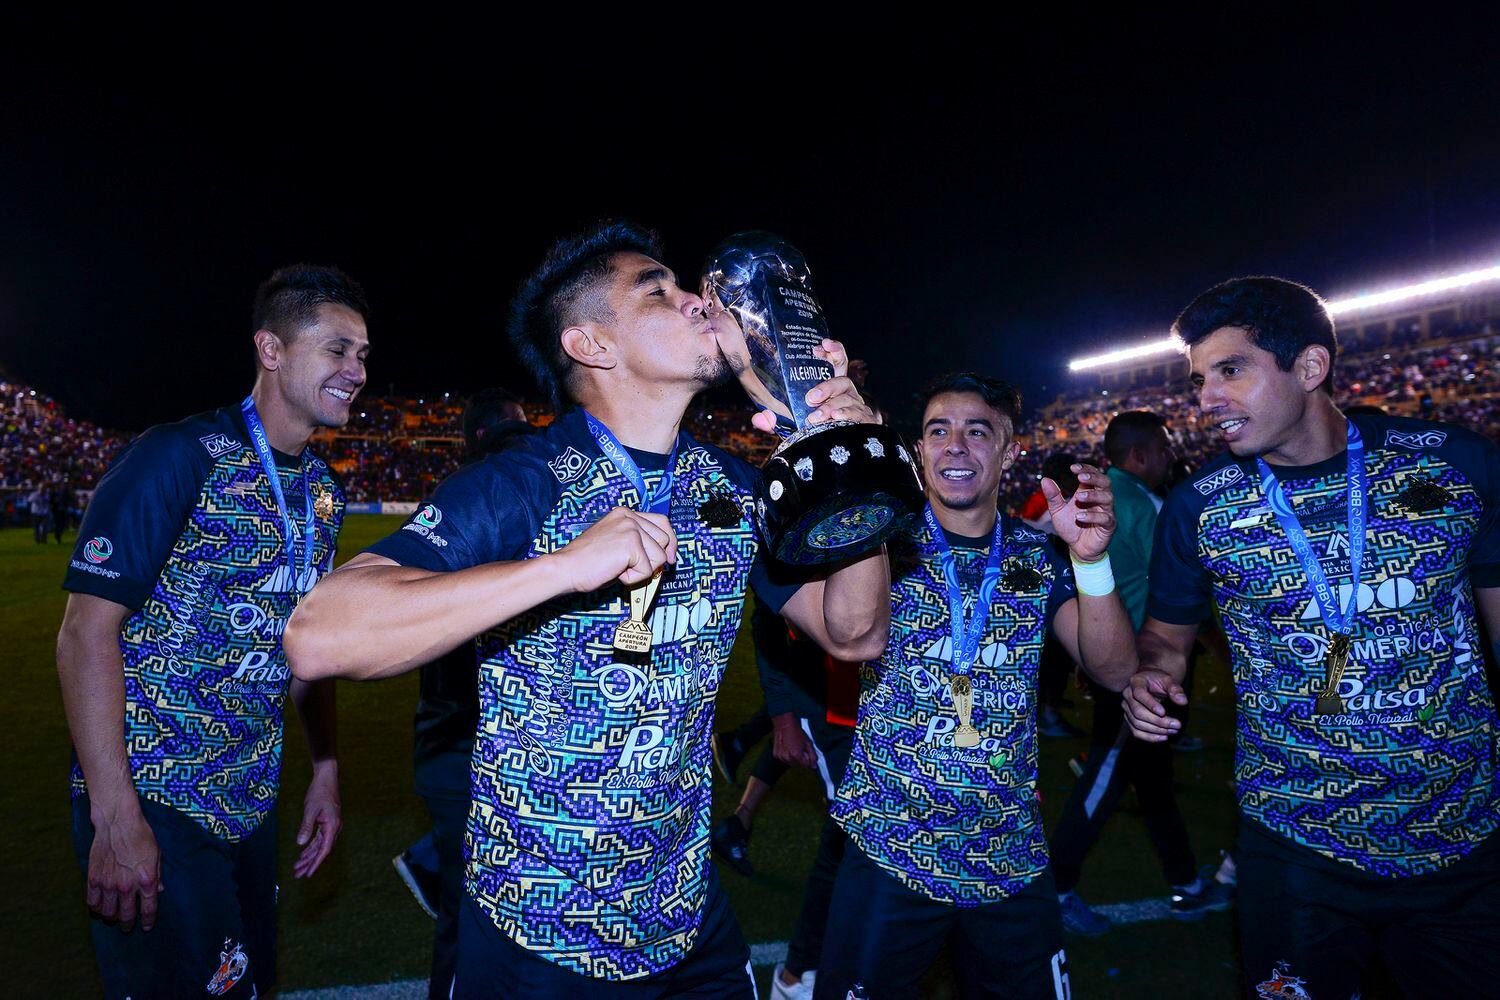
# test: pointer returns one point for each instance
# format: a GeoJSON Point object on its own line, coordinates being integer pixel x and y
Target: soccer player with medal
{"type": "Point", "coordinates": [939, 798]}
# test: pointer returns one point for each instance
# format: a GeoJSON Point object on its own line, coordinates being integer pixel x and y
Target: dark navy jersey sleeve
{"type": "Point", "coordinates": [1473, 455]}
{"type": "Point", "coordinates": [137, 513]}
{"type": "Point", "coordinates": [485, 512]}
{"type": "Point", "coordinates": [1181, 590]}
{"type": "Point", "coordinates": [1064, 589]}
{"type": "Point", "coordinates": [773, 583]}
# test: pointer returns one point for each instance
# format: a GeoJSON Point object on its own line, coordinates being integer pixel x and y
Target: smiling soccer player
{"type": "Point", "coordinates": [1349, 559]}
{"type": "Point", "coordinates": [939, 795]}
{"type": "Point", "coordinates": [193, 552]}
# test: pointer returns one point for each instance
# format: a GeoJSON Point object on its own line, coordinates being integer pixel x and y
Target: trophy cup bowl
{"type": "Point", "coordinates": [831, 491]}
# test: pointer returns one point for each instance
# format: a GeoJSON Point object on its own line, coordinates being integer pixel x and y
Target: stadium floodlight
{"type": "Point", "coordinates": [1393, 295]}
{"type": "Point", "coordinates": [1336, 307]}
{"type": "Point", "coordinates": [1161, 346]}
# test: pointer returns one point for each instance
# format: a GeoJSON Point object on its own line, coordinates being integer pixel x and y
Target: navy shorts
{"type": "Point", "coordinates": [883, 937]}
{"type": "Point", "coordinates": [215, 932]}
{"type": "Point", "coordinates": [491, 965]}
{"type": "Point", "coordinates": [1310, 923]}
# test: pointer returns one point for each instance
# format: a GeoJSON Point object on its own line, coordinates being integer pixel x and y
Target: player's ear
{"type": "Point", "coordinates": [1012, 452]}
{"type": "Point", "coordinates": [268, 350]}
{"type": "Point", "coordinates": [1313, 366]}
{"type": "Point", "coordinates": [588, 347]}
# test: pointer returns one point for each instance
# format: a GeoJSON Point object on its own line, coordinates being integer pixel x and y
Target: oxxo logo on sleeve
{"type": "Point", "coordinates": [426, 519]}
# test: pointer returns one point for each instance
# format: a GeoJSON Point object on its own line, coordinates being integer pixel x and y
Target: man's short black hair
{"type": "Point", "coordinates": [1279, 316]}
{"type": "Point", "coordinates": [490, 422]}
{"type": "Point", "coordinates": [1131, 429]}
{"type": "Point", "coordinates": [997, 394]}
{"type": "Point", "coordinates": [565, 289]}
{"type": "Point", "coordinates": [288, 300]}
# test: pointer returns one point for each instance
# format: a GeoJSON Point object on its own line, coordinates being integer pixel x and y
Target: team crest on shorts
{"type": "Point", "coordinates": [233, 964]}
{"type": "Point", "coordinates": [1283, 985]}
{"type": "Point", "coordinates": [569, 465]}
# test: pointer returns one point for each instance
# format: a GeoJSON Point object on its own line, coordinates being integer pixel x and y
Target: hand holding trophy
{"type": "Point", "coordinates": [832, 490]}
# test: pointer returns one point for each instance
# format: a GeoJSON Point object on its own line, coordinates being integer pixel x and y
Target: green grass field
{"type": "Point", "coordinates": [354, 923]}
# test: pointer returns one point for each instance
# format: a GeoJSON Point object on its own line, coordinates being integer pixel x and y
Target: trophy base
{"type": "Point", "coordinates": [836, 491]}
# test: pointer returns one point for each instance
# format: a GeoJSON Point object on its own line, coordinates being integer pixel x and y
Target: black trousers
{"type": "Point", "coordinates": [884, 937]}
{"type": "Point", "coordinates": [449, 816]}
{"type": "Point", "coordinates": [804, 952]}
{"type": "Point", "coordinates": [1319, 924]}
{"type": "Point", "coordinates": [215, 932]}
{"type": "Point", "coordinates": [1115, 760]}
{"type": "Point", "coordinates": [492, 966]}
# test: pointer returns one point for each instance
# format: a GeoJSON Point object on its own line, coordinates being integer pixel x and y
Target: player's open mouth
{"type": "Point", "coordinates": [1230, 426]}
{"type": "Point", "coordinates": [957, 475]}
{"type": "Point", "coordinates": [344, 395]}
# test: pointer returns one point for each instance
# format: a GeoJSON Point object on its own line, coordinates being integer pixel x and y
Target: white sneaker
{"type": "Point", "coordinates": [803, 990]}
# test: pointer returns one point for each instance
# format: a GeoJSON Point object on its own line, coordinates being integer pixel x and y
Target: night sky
{"type": "Point", "coordinates": [1005, 207]}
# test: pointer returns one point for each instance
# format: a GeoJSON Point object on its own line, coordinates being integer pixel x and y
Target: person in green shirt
{"type": "Point", "coordinates": [1140, 457]}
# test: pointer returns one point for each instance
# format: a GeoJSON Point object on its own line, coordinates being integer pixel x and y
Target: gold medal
{"type": "Point", "coordinates": [965, 735]}
{"type": "Point", "coordinates": [633, 635]}
{"type": "Point", "coordinates": [323, 505]}
{"type": "Point", "coordinates": [1328, 701]}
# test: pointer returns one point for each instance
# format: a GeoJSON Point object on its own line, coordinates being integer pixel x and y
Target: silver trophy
{"type": "Point", "coordinates": [831, 491]}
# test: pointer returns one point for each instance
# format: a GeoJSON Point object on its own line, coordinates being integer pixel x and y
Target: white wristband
{"type": "Point", "coordinates": [1095, 579]}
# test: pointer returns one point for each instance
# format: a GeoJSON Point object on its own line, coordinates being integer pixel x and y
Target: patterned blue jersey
{"type": "Point", "coordinates": [960, 826]}
{"type": "Point", "coordinates": [590, 779]}
{"type": "Point", "coordinates": [185, 532]}
{"type": "Point", "coordinates": [1403, 782]}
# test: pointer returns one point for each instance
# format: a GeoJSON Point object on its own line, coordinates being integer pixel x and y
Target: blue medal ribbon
{"type": "Point", "coordinates": [966, 635]}
{"type": "Point", "coordinates": [268, 463]}
{"type": "Point", "coordinates": [658, 502]}
{"type": "Point", "coordinates": [1339, 620]}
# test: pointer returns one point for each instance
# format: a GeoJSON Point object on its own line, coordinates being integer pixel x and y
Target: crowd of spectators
{"type": "Point", "coordinates": [1455, 380]}
{"type": "Point", "coordinates": [43, 449]}
{"type": "Point", "coordinates": [398, 449]}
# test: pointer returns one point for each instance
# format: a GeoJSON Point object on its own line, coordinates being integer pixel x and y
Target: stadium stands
{"type": "Point", "coordinates": [396, 449]}
{"type": "Point", "coordinates": [41, 446]}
